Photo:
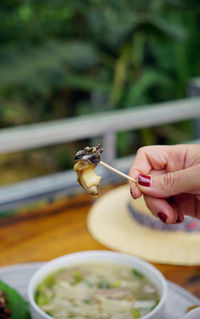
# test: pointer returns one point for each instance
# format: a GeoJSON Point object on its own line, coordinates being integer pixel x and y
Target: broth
{"type": "Point", "coordinates": [97, 291]}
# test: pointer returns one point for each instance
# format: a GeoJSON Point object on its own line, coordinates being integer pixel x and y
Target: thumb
{"type": "Point", "coordinates": [173, 183]}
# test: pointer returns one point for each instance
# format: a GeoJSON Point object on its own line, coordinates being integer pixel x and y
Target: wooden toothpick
{"type": "Point", "coordinates": [131, 179]}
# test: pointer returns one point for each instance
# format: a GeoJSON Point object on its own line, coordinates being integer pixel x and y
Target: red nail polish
{"type": "Point", "coordinates": [144, 180]}
{"type": "Point", "coordinates": [162, 217]}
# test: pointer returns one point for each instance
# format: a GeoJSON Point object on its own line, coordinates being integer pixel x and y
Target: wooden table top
{"type": "Point", "coordinates": [60, 228]}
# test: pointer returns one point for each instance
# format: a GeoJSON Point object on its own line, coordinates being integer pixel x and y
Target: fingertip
{"type": "Point", "coordinates": [134, 189]}
{"type": "Point", "coordinates": [144, 180]}
{"type": "Point", "coordinates": [160, 208]}
{"type": "Point", "coordinates": [135, 192]}
{"type": "Point", "coordinates": [174, 214]}
{"type": "Point", "coordinates": [180, 218]}
{"type": "Point", "coordinates": [171, 217]}
{"type": "Point", "coordinates": [171, 214]}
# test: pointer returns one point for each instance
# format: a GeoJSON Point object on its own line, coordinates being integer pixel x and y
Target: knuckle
{"type": "Point", "coordinates": [168, 181]}
{"type": "Point", "coordinates": [141, 150]}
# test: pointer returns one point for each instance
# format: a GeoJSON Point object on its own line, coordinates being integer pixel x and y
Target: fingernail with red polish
{"type": "Point", "coordinates": [162, 217]}
{"type": "Point", "coordinates": [144, 180]}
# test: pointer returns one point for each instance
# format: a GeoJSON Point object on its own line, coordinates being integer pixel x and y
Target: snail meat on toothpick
{"type": "Point", "coordinates": [85, 162]}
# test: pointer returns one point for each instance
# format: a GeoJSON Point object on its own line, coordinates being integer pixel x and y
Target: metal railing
{"type": "Point", "coordinates": [104, 125]}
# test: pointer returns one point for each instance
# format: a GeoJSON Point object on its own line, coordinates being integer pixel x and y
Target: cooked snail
{"type": "Point", "coordinates": [85, 162]}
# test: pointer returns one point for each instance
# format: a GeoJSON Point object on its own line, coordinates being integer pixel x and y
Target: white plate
{"type": "Point", "coordinates": [18, 276]}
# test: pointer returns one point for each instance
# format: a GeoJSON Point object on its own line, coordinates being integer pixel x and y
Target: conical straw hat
{"type": "Point", "coordinates": [121, 223]}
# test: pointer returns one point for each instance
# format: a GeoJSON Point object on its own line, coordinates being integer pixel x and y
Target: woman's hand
{"type": "Point", "coordinates": [169, 179]}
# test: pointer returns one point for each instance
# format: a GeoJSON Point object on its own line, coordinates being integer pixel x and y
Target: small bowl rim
{"type": "Point", "coordinates": [99, 253]}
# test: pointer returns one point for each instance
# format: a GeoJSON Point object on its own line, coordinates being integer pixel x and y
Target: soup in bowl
{"type": "Point", "coordinates": [97, 285]}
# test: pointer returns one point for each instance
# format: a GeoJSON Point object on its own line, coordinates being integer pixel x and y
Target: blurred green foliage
{"type": "Point", "coordinates": [62, 58]}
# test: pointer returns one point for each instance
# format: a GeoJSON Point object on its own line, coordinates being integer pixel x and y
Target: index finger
{"type": "Point", "coordinates": [147, 158]}
{"type": "Point", "coordinates": [150, 157]}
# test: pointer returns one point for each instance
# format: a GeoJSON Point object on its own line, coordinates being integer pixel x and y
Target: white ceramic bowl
{"type": "Point", "coordinates": [88, 256]}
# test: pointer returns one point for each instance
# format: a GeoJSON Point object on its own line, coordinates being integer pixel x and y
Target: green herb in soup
{"type": "Point", "coordinates": [97, 291]}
